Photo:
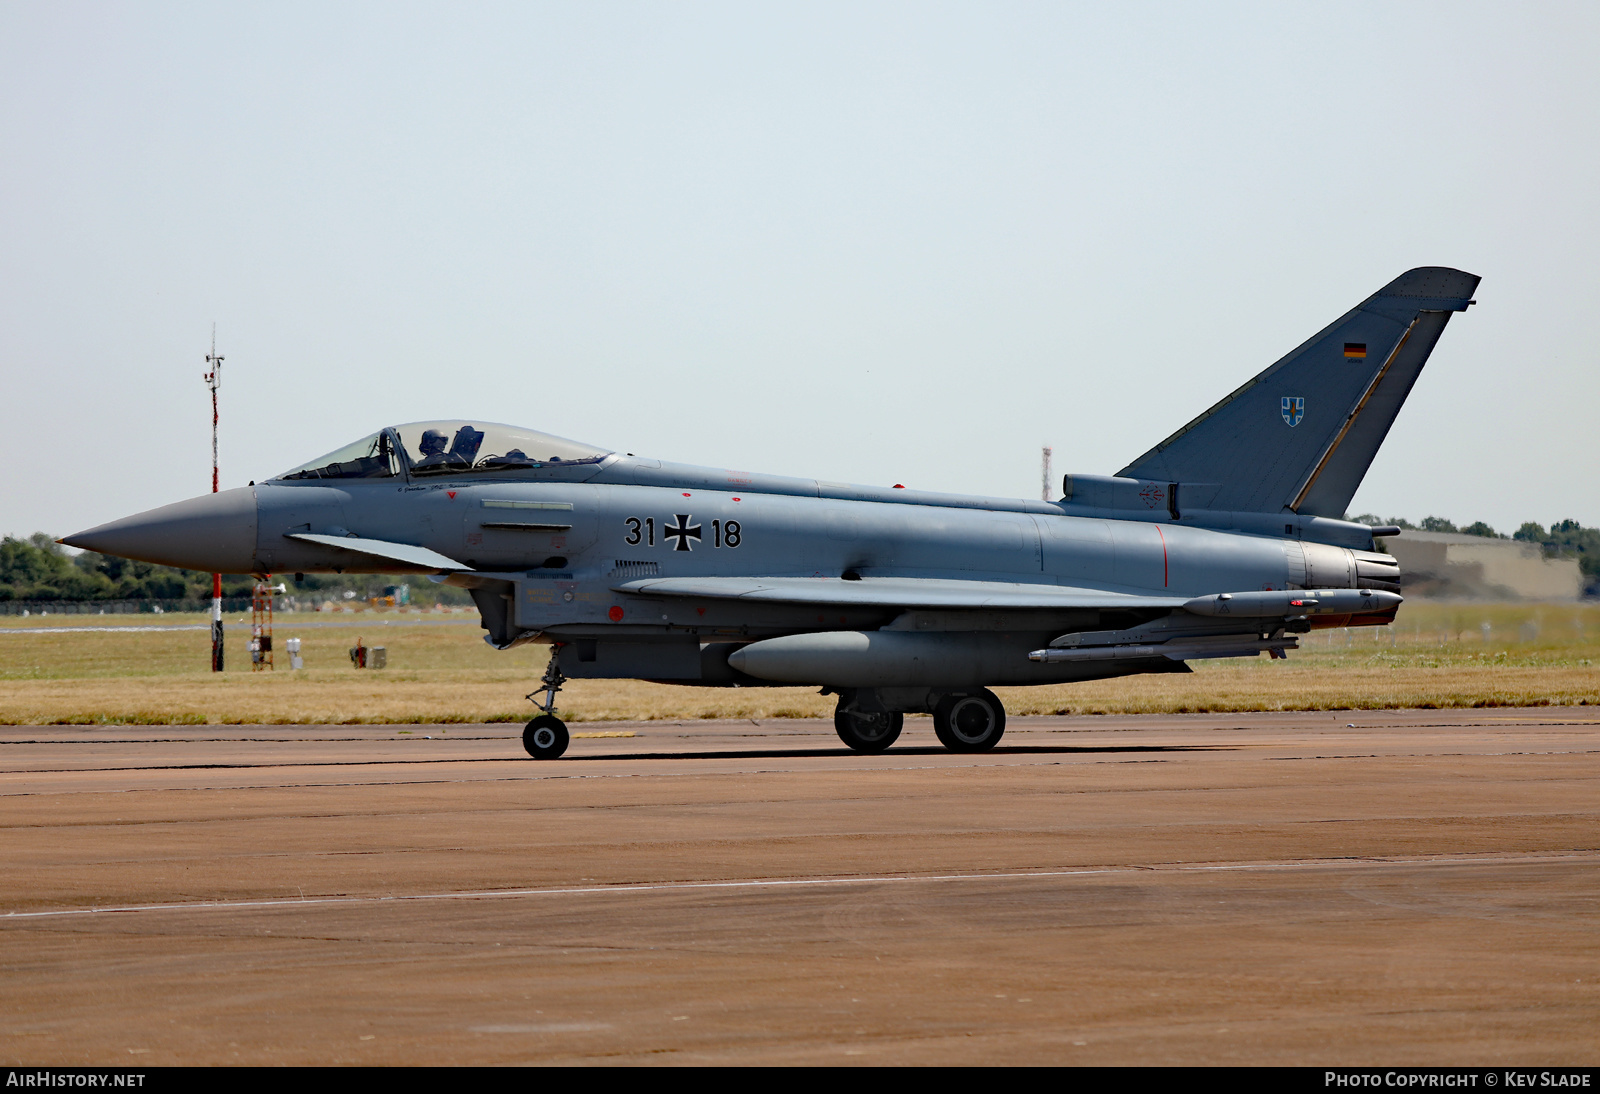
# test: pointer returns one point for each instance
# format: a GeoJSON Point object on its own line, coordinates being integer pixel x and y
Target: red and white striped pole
{"type": "Point", "coordinates": [213, 378]}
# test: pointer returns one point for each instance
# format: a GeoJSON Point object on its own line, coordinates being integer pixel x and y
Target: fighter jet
{"type": "Point", "coordinates": [1224, 540]}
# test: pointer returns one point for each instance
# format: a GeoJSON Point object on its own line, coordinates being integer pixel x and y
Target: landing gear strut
{"type": "Point", "coordinates": [546, 736]}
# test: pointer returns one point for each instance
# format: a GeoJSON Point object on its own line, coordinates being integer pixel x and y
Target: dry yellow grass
{"type": "Point", "coordinates": [1437, 655]}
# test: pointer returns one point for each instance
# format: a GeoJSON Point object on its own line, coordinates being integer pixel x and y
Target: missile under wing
{"type": "Point", "coordinates": [1224, 540]}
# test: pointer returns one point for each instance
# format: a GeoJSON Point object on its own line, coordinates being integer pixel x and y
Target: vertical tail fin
{"type": "Point", "coordinates": [1302, 434]}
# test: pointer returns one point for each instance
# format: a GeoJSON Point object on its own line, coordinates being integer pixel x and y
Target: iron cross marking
{"type": "Point", "coordinates": [683, 532]}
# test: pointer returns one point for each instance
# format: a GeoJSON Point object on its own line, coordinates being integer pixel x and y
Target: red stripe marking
{"type": "Point", "coordinates": [1163, 536]}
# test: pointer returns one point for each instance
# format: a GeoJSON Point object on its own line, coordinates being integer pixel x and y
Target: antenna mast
{"type": "Point", "coordinates": [1044, 477]}
{"type": "Point", "coordinates": [213, 380]}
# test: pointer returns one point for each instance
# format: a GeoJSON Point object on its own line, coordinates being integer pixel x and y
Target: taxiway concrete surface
{"type": "Point", "coordinates": [1422, 887]}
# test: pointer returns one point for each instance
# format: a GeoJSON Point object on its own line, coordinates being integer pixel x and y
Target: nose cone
{"type": "Point", "coordinates": [215, 533]}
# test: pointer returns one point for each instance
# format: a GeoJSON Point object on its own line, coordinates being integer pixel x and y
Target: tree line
{"type": "Point", "coordinates": [1563, 539]}
{"type": "Point", "coordinates": [38, 568]}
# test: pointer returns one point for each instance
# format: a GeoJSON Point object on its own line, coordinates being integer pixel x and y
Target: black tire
{"type": "Point", "coordinates": [970, 722]}
{"type": "Point", "coordinates": [546, 737]}
{"type": "Point", "coordinates": [867, 732]}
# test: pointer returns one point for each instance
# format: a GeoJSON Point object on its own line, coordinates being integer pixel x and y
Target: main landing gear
{"type": "Point", "coordinates": [965, 721]}
{"type": "Point", "coordinates": [970, 723]}
{"type": "Point", "coordinates": [866, 732]}
{"type": "Point", "coordinates": [546, 736]}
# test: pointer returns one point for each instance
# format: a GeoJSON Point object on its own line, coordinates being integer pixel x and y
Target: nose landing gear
{"type": "Point", "coordinates": [546, 736]}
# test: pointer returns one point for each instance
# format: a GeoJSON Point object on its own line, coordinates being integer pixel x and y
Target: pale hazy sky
{"type": "Point", "coordinates": [868, 242]}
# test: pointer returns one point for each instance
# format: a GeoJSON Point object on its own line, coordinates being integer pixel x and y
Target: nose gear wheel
{"type": "Point", "coordinates": [546, 737]}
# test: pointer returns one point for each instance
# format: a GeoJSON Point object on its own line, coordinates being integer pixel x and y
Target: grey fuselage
{"type": "Point", "coordinates": [566, 554]}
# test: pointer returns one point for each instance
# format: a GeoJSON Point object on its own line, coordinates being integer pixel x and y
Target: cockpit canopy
{"type": "Point", "coordinates": [446, 448]}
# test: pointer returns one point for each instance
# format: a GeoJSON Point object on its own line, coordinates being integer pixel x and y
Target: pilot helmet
{"type": "Point", "coordinates": [433, 442]}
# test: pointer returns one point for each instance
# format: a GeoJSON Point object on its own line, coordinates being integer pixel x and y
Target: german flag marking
{"type": "Point", "coordinates": [1355, 349]}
